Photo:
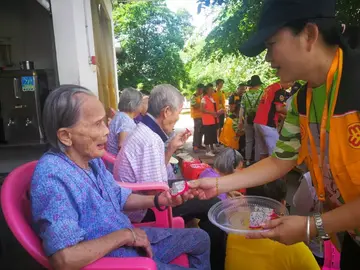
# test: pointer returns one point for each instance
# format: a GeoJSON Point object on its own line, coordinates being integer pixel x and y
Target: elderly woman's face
{"type": "Point", "coordinates": [89, 135]}
{"type": "Point", "coordinates": [144, 105]}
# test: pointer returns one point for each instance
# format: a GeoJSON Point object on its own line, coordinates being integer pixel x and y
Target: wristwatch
{"type": "Point", "coordinates": [320, 228]}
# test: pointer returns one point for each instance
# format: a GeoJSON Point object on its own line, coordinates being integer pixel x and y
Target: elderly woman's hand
{"type": "Point", "coordinates": [139, 239]}
{"type": "Point", "coordinates": [165, 198]}
{"type": "Point", "coordinates": [287, 230]}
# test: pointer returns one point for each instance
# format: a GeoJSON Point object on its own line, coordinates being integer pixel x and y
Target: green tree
{"type": "Point", "coordinates": [239, 18]}
{"type": "Point", "coordinates": [151, 38]}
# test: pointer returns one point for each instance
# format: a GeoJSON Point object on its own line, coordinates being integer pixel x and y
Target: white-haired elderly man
{"type": "Point", "coordinates": [144, 158]}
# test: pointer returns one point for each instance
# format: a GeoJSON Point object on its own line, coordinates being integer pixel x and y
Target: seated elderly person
{"type": "Point", "coordinates": [130, 105]}
{"type": "Point", "coordinates": [227, 162]}
{"type": "Point", "coordinates": [77, 207]}
{"type": "Point", "coordinates": [144, 158]}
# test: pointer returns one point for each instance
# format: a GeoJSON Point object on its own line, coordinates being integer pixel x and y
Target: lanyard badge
{"type": "Point", "coordinates": [317, 159]}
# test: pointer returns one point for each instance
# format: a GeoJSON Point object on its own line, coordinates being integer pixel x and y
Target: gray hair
{"type": "Point", "coordinates": [227, 161]}
{"type": "Point", "coordinates": [164, 95]}
{"type": "Point", "coordinates": [62, 110]}
{"type": "Point", "coordinates": [130, 100]}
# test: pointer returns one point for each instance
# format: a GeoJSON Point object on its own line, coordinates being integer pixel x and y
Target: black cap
{"type": "Point", "coordinates": [255, 81]}
{"type": "Point", "coordinates": [277, 13]}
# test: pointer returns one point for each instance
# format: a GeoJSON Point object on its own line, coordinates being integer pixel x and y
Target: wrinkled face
{"type": "Point", "coordinates": [87, 138]}
{"type": "Point", "coordinates": [290, 54]}
{"type": "Point", "coordinates": [170, 117]}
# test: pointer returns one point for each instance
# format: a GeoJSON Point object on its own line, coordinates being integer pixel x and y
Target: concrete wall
{"type": "Point", "coordinates": [74, 42]}
{"type": "Point", "coordinates": [29, 27]}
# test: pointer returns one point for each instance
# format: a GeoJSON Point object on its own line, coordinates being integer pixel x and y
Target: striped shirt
{"type": "Point", "coordinates": [141, 159]}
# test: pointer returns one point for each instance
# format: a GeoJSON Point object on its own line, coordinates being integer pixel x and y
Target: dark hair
{"type": "Point", "coordinates": [275, 190]}
{"type": "Point", "coordinates": [330, 30]}
{"type": "Point", "coordinates": [218, 81]}
{"type": "Point", "coordinates": [242, 84]}
{"type": "Point", "coordinates": [200, 86]}
{"type": "Point", "coordinates": [352, 36]}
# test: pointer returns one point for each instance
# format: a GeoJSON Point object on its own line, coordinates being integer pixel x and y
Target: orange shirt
{"type": "Point", "coordinates": [219, 98]}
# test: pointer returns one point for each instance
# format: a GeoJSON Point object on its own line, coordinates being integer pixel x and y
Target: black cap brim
{"type": "Point", "coordinates": [256, 43]}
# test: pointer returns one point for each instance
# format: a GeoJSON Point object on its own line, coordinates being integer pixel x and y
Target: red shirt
{"type": "Point", "coordinates": [266, 113]}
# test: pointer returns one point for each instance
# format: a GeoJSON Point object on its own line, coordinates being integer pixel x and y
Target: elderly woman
{"type": "Point", "coordinates": [227, 162]}
{"type": "Point", "coordinates": [130, 105]}
{"type": "Point", "coordinates": [77, 207]}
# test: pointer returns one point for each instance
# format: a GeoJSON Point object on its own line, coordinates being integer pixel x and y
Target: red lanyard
{"type": "Point", "coordinates": [318, 159]}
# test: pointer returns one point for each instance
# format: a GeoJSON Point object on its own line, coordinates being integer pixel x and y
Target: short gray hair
{"type": "Point", "coordinates": [62, 110]}
{"type": "Point", "coordinates": [227, 161]}
{"type": "Point", "coordinates": [130, 100]}
{"type": "Point", "coordinates": [164, 95]}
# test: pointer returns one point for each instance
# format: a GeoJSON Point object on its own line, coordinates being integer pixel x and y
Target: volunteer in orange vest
{"type": "Point", "coordinates": [220, 99]}
{"type": "Point", "coordinates": [209, 120]}
{"type": "Point", "coordinates": [322, 127]}
{"type": "Point", "coordinates": [197, 116]}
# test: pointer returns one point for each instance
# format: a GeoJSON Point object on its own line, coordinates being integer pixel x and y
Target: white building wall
{"type": "Point", "coordinates": [74, 42]}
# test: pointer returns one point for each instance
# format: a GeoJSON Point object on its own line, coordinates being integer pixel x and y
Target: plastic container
{"type": "Point", "coordinates": [244, 215]}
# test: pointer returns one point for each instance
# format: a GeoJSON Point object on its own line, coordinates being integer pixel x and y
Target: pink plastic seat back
{"type": "Point", "coordinates": [15, 204]}
{"type": "Point", "coordinates": [331, 257]}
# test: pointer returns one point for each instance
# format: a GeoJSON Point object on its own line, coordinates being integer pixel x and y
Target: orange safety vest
{"type": "Point", "coordinates": [344, 133]}
{"type": "Point", "coordinates": [196, 112]}
{"type": "Point", "coordinates": [208, 119]}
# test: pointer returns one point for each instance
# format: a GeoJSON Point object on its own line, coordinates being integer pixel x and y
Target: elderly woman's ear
{"type": "Point", "coordinates": [64, 137]}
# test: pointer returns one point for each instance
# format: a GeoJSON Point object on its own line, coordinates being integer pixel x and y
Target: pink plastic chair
{"type": "Point", "coordinates": [163, 219]}
{"type": "Point", "coordinates": [331, 257]}
{"type": "Point", "coordinates": [16, 208]}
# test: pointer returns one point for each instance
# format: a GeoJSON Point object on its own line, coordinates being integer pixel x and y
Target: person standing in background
{"type": "Point", "coordinates": [235, 100]}
{"type": "Point", "coordinates": [235, 104]}
{"type": "Point", "coordinates": [271, 106]}
{"type": "Point", "coordinates": [209, 119]}
{"type": "Point", "coordinates": [197, 116]}
{"type": "Point", "coordinates": [220, 99]}
{"type": "Point", "coordinates": [248, 107]}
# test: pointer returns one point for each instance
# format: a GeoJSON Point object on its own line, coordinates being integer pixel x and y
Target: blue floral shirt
{"type": "Point", "coordinates": [120, 123]}
{"type": "Point", "coordinates": [70, 204]}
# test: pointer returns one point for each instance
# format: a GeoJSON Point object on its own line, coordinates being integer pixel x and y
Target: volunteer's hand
{"type": "Point", "coordinates": [287, 230]}
{"type": "Point", "coordinates": [203, 188]}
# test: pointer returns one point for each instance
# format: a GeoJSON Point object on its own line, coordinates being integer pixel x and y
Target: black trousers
{"type": "Point", "coordinates": [199, 209]}
{"type": "Point", "coordinates": [350, 253]}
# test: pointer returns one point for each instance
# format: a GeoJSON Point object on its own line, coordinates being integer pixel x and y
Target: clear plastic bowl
{"type": "Point", "coordinates": [243, 215]}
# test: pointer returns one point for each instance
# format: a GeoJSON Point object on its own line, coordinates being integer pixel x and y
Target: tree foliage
{"type": "Point", "coordinates": [239, 18]}
{"type": "Point", "coordinates": [151, 38]}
